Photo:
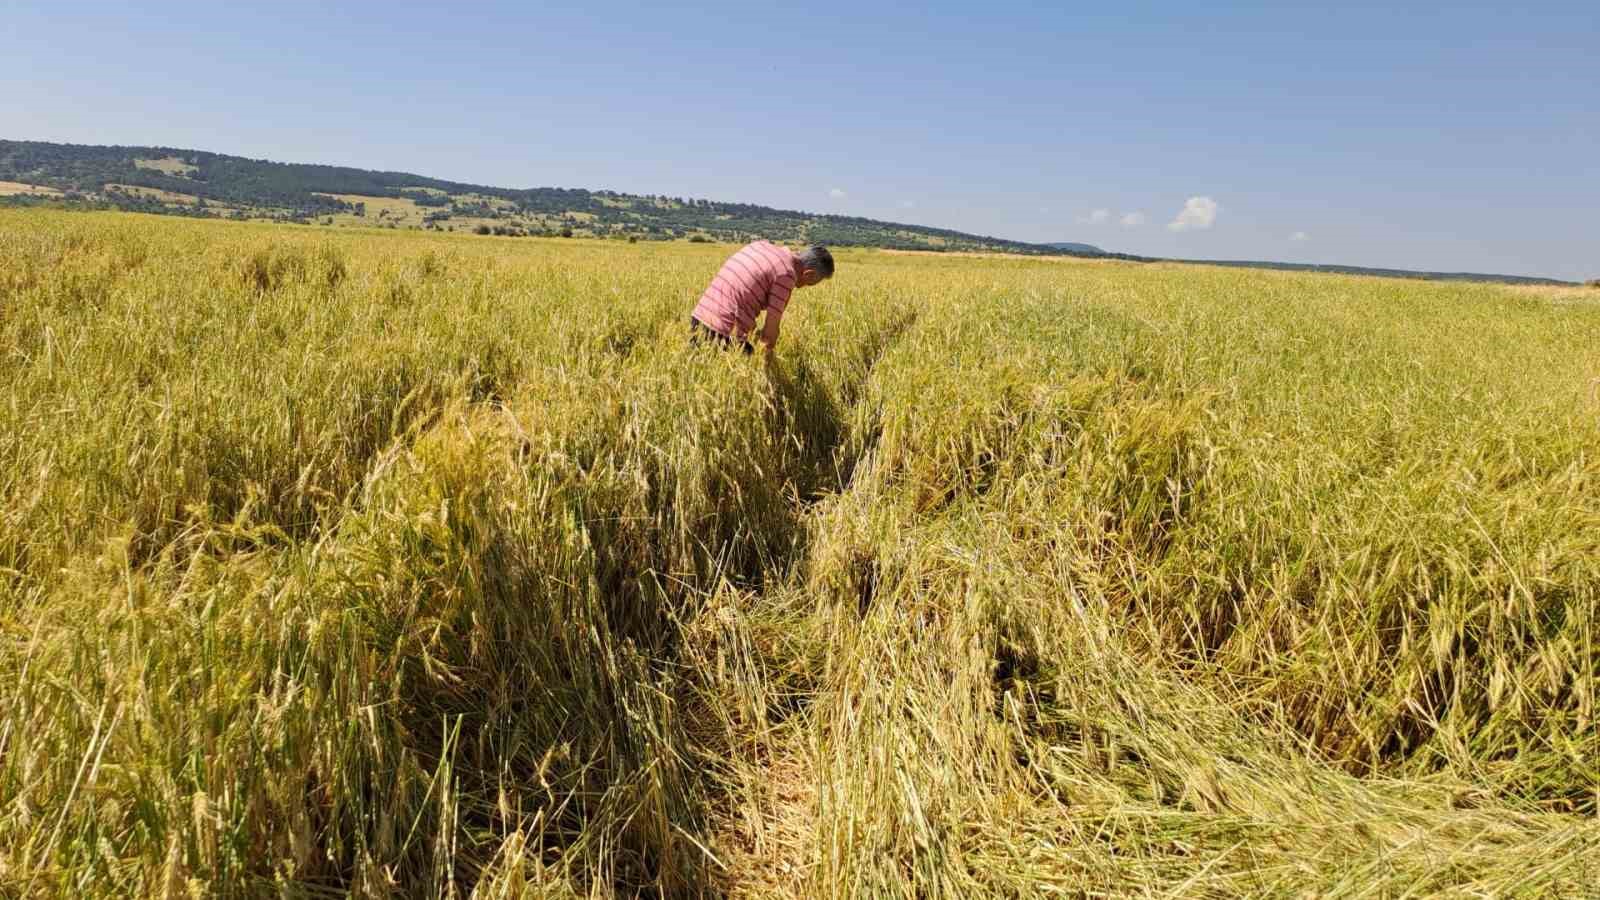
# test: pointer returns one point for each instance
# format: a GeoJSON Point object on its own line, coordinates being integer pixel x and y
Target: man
{"type": "Point", "coordinates": [757, 279]}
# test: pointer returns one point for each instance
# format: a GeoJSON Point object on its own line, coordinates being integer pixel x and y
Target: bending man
{"type": "Point", "coordinates": [759, 278]}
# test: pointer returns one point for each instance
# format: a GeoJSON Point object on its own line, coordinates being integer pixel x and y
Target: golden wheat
{"type": "Point", "coordinates": [356, 563]}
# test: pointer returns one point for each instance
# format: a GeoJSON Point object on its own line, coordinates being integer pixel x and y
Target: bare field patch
{"type": "Point", "coordinates": [402, 211]}
{"type": "Point", "coordinates": [497, 203]}
{"type": "Point", "coordinates": [134, 190]}
{"type": "Point", "coordinates": [1577, 293]}
{"type": "Point", "coordinates": [15, 188]}
{"type": "Point", "coordinates": [170, 165]}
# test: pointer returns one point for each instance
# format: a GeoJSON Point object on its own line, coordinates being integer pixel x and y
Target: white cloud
{"type": "Point", "coordinates": [837, 193]}
{"type": "Point", "coordinates": [1197, 213]}
{"type": "Point", "coordinates": [1097, 217]}
{"type": "Point", "coordinates": [1132, 220]}
{"type": "Point", "coordinates": [1299, 236]}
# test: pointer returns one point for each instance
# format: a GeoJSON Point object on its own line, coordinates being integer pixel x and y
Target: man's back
{"type": "Point", "coordinates": [761, 276]}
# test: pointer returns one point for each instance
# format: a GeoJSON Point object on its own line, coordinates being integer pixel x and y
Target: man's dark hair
{"type": "Point", "coordinates": [818, 259]}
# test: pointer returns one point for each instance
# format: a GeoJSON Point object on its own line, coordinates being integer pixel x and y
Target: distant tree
{"type": "Point", "coordinates": [482, 229]}
{"type": "Point", "coordinates": [566, 232]}
{"type": "Point", "coordinates": [1593, 282]}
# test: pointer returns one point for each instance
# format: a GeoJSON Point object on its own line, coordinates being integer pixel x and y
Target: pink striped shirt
{"type": "Point", "coordinates": [761, 276]}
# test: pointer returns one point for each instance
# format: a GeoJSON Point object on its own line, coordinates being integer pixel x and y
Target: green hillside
{"type": "Point", "coordinates": [196, 183]}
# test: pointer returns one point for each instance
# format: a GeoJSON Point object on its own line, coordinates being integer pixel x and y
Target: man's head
{"type": "Point", "coordinates": [816, 266]}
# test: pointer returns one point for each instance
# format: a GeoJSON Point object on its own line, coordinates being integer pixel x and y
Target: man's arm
{"type": "Point", "coordinates": [769, 328]}
{"type": "Point", "coordinates": [777, 299]}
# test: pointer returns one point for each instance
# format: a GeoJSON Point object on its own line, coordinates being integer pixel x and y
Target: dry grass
{"type": "Point", "coordinates": [134, 190]}
{"type": "Point", "coordinates": [1561, 293]}
{"type": "Point", "coordinates": [401, 211]}
{"type": "Point", "coordinates": [170, 165]}
{"type": "Point", "coordinates": [986, 254]}
{"type": "Point", "coordinates": [340, 563]}
{"type": "Point", "coordinates": [13, 188]}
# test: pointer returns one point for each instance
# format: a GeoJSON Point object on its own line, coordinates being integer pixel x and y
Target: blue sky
{"type": "Point", "coordinates": [1464, 137]}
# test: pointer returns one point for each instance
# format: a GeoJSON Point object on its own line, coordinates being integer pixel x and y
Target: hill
{"type": "Point", "coordinates": [1073, 247]}
{"type": "Point", "coordinates": [198, 183]}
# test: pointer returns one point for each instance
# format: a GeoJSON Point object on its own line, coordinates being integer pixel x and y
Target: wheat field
{"type": "Point", "coordinates": [389, 564]}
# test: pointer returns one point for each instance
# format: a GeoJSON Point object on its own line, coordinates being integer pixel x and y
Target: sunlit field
{"type": "Point", "coordinates": [439, 565]}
